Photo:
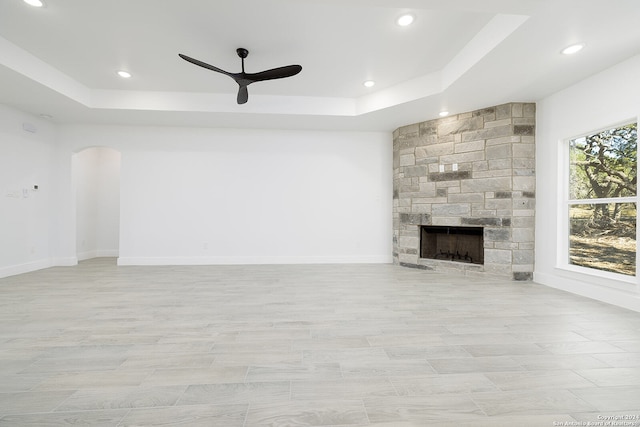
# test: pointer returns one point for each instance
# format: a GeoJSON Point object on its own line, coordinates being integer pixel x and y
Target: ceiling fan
{"type": "Point", "coordinates": [245, 79]}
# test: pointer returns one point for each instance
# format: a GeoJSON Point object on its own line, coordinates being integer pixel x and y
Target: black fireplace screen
{"type": "Point", "coordinates": [461, 244]}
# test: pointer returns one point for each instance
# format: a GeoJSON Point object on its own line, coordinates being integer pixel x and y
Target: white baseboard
{"type": "Point", "coordinates": [86, 255]}
{"type": "Point", "coordinates": [253, 260]}
{"type": "Point", "coordinates": [107, 253]}
{"type": "Point", "coordinates": [13, 270]}
{"type": "Point", "coordinates": [98, 253]}
{"type": "Point", "coordinates": [65, 261]}
{"type": "Point", "coordinates": [625, 299]}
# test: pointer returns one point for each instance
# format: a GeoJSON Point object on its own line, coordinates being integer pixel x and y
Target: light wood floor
{"type": "Point", "coordinates": [320, 345]}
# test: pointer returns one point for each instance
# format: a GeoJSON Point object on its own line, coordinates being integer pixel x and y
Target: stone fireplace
{"type": "Point", "coordinates": [464, 181]}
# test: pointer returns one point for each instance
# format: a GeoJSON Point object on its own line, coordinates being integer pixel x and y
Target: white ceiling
{"type": "Point", "coordinates": [459, 55]}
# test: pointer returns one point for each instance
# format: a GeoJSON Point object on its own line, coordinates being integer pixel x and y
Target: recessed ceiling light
{"type": "Point", "coordinates": [443, 113]}
{"type": "Point", "coordinates": [405, 20]}
{"type": "Point", "coordinates": [572, 49]}
{"type": "Point", "coordinates": [369, 83]}
{"type": "Point", "coordinates": [124, 74]}
{"type": "Point", "coordinates": [34, 3]}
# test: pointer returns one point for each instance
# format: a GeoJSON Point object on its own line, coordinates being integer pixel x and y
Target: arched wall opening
{"type": "Point", "coordinates": [96, 176]}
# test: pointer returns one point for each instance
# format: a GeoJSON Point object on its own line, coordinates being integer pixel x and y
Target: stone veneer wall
{"type": "Point", "coordinates": [493, 186]}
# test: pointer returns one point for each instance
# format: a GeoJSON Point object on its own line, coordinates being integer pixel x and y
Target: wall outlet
{"type": "Point", "coordinates": [29, 127]}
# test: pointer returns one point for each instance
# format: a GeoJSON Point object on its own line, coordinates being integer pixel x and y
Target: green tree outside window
{"type": "Point", "coordinates": [602, 205]}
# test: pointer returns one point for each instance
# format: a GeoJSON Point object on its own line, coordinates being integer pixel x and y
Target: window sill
{"type": "Point", "coordinates": [617, 281]}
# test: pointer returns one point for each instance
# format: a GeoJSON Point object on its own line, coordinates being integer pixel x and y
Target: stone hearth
{"type": "Point", "coordinates": [475, 169]}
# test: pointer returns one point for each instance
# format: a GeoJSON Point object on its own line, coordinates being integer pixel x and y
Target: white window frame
{"type": "Point", "coordinates": [563, 260]}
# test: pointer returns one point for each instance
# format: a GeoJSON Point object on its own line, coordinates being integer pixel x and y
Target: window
{"type": "Point", "coordinates": [602, 200]}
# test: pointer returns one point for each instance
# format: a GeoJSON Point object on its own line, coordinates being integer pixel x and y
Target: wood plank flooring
{"type": "Point", "coordinates": [307, 345]}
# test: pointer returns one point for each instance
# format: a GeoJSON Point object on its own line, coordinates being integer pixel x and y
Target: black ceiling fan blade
{"type": "Point", "coordinates": [243, 95]}
{"type": "Point", "coordinates": [205, 65]}
{"type": "Point", "coordinates": [275, 73]}
{"type": "Point", "coordinates": [245, 79]}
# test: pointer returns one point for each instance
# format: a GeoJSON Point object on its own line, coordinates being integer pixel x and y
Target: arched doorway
{"type": "Point", "coordinates": [96, 173]}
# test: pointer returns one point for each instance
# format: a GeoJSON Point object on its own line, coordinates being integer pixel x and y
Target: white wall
{"type": "Point", "coordinates": [609, 98]}
{"type": "Point", "coordinates": [206, 196]}
{"type": "Point", "coordinates": [25, 213]}
{"type": "Point", "coordinates": [96, 174]}
{"type": "Point", "coordinates": [108, 185]}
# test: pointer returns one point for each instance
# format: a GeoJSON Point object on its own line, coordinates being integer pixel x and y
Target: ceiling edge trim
{"type": "Point", "coordinates": [23, 62]}
{"type": "Point", "coordinates": [491, 35]}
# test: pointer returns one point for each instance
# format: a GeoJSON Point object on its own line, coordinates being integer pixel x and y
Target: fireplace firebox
{"type": "Point", "coordinates": [460, 244]}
